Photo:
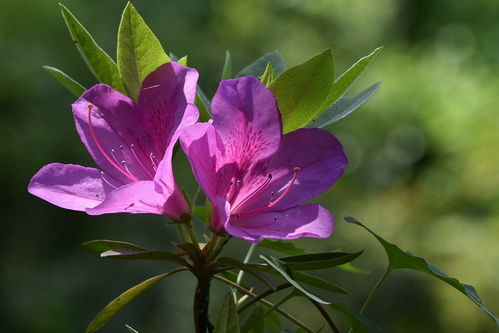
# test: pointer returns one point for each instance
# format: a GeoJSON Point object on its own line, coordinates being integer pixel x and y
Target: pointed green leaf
{"type": "Point", "coordinates": [227, 321]}
{"type": "Point", "coordinates": [229, 262]}
{"type": "Point", "coordinates": [139, 51]}
{"type": "Point", "coordinates": [281, 246]}
{"type": "Point", "coordinates": [254, 323]}
{"type": "Point", "coordinates": [203, 105]}
{"type": "Point", "coordinates": [103, 245]}
{"type": "Point", "coordinates": [319, 260]}
{"type": "Point", "coordinates": [301, 90]}
{"type": "Point", "coordinates": [347, 79]}
{"type": "Point", "coordinates": [227, 69]}
{"type": "Point", "coordinates": [268, 76]}
{"type": "Point", "coordinates": [70, 84]}
{"type": "Point", "coordinates": [359, 323]}
{"type": "Point", "coordinates": [97, 60]}
{"type": "Point", "coordinates": [258, 66]}
{"type": "Point", "coordinates": [287, 274]}
{"type": "Point", "coordinates": [343, 107]}
{"type": "Point", "coordinates": [131, 329]}
{"type": "Point", "coordinates": [121, 301]}
{"type": "Point", "coordinates": [399, 259]}
{"type": "Point", "coordinates": [130, 254]}
{"type": "Point", "coordinates": [183, 60]}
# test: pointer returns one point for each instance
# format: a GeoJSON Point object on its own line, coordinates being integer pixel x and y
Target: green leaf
{"type": "Point", "coordinates": [281, 246]}
{"type": "Point", "coordinates": [287, 274]}
{"type": "Point", "coordinates": [200, 213]}
{"type": "Point", "coordinates": [347, 79]}
{"type": "Point", "coordinates": [348, 267]}
{"type": "Point", "coordinates": [319, 260]}
{"type": "Point", "coordinates": [254, 323]}
{"type": "Point", "coordinates": [131, 329]}
{"type": "Point", "coordinates": [203, 105]}
{"type": "Point", "coordinates": [301, 90]}
{"type": "Point", "coordinates": [227, 321]}
{"type": "Point", "coordinates": [268, 76]}
{"type": "Point", "coordinates": [343, 107]}
{"type": "Point", "coordinates": [183, 61]}
{"type": "Point", "coordinates": [359, 323]}
{"type": "Point", "coordinates": [70, 84]}
{"type": "Point", "coordinates": [257, 67]}
{"type": "Point", "coordinates": [227, 69]}
{"type": "Point", "coordinates": [399, 259]}
{"type": "Point", "coordinates": [127, 254]}
{"type": "Point", "coordinates": [97, 60]}
{"type": "Point", "coordinates": [122, 300]}
{"type": "Point", "coordinates": [139, 51]}
{"type": "Point", "coordinates": [229, 262]}
{"type": "Point", "coordinates": [272, 321]}
{"type": "Point", "coordinates": [103, 245]}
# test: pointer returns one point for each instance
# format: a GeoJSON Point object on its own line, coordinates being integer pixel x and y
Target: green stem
{"type": "Point", "coordinates": [263, 295]}
{"type": "Point", "coordinates": [285, 314]}
{"type": "Point", "coordinates": [240, 275]}
{"type": "Point", "coordinates": [326, 316]}
{"type": "Point", "coordinates": [374, 291]}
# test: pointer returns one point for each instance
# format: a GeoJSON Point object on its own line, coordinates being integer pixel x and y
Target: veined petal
{"type": "Point", "coordinates": [301, 221]}
{"type": "Point", "coordinates": [320, 159]}
{"type": "Point", "coordinates": [246, 117]}
{"type": "Point", "coordinates": [145, 196]}
{"type": "Point", "coordinates": [68, 186]}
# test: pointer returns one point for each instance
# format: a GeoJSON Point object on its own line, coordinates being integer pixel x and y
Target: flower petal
{"type": "Point", "coordinates": [301, 221]}
{"type": "Point", "coordinates": [144, 197]}
{"type": "Point", "coordinates": [68, 186]}
{"type": "Point", "coordinates": [246, 117]}
{"type": "Point", "coordinates": [320, 159]}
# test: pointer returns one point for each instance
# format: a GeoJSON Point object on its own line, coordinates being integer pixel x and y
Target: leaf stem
{"type": "Point", "coordinates": [285, 314]}
{"type": "Point", "coordinates": [374, 291]}
{"type": "Point", "coordinates": [326, 316]}
{"type": "Point", "coordinates": [240, 275]}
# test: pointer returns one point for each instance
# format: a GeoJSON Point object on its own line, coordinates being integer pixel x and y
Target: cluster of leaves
{"type": "Point", "coordinates": [307, 95]}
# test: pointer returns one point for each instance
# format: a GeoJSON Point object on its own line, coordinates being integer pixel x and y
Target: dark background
{"type": "Point", "coordinates": [423, 171]}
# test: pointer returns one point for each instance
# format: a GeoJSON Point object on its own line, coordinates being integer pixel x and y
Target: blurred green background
{"type": "Point", "coordinates": [424, 163]}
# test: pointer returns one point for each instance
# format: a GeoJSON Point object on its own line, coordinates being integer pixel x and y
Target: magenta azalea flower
{"type": "Point", "coordinates": [256, 177]}
{"type": "Point", "coordinates": [132, 143]}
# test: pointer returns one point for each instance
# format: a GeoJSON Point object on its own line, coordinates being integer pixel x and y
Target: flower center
{"type": "Point", "coordinates": [122, 166]}
{"type": "Point", "coordinates": [271, 203]}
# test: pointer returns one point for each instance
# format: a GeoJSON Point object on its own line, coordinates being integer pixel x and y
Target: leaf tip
{"type": "Point", "coordinates": [350, 219]}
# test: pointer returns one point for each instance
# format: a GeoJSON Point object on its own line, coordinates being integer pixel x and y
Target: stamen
{"type": "Point", "coordinates": [256, 192]}
{"type": "Point", "coordinates": [107, 181]}
{"type": "Point", "coordinates": [126, 168]}
{"type": "Point", "coordinates": [296, 170]}
{"type": "Point", "coordinates": [99, 146]}
{"type": "Point", "coordinates": [140, 162]}
{"type": "Point", "coordinates": [151, 157]}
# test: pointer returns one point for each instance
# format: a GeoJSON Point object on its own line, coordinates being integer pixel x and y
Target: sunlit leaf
{"type": "Point", "coordinates": [359, 323]}
{"type": "Point", "coordinates": [347, 79]}
{"type": "Point", "coordinates": [70, 84]}
{"type": "Point", "coordinates": [98, 61]}
{"type": "Point", "coordinates": [281, 246]}
{"type": "Point", "coordinates": [343, 107]}
{"type": "Point", "coordinates": [319, 260]}
{"type": "Point", "coordinates": [257, 68]}
{"type": "Point", "coordinates": [287, 274]}
{"type": "Point", "coordinates": [183, 61]}
{"type": "Point", "coordinates": [122, 300]}
{"type": "Point", "coordinates": [254, 323]}
{"type": "Point", "coordinates": [227, 321]}
{"type": "Point", "coordinates": [301, 90]}
{"type": "Point", "coordinates": [131, 329]}
{"type": "Point", "coordinates": [139, 51]}
{"type": "Point", "coordinates": [227, 69]}
{"type": "Point", "coordinates": [399, 259]}
{"type": "Point", "coordinates": [102, 245]}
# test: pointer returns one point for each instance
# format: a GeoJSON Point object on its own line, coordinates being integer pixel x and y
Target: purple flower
{"type": "Point", "coordinates": [256, 177]}
{"type": "Point", "coordinates": [132, 143]}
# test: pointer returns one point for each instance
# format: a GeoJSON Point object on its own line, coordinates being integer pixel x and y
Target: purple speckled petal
{"type": "Point", "coordinates": [145, 196]}
{"type": "Point", "coordinates": [68, 186]}
{"type": "Point", "coordinates": [321, 160]}
{"type": "Point", "coordinates": [301, 221]}
{"type": "Point", "coordinates": [246, 117]}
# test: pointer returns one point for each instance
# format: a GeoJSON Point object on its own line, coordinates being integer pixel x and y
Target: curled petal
{"type": "Point", "coordinates": [68, 186]}
{"type": "Point", "coordinates": [310, 220]}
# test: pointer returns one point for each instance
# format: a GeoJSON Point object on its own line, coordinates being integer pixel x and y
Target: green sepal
{"type": "Point", "coordinates": [139, 51]}
{"type": "Point", "coordinates": [98, 61]}
{"type": "Point", "coordinates": [268, 75]}
{"type": "Point", "coordinates": [69, 83]}
{"type": "Point", "coordinates": [399, 259]}
{"type": "Point", "coordinates": [227, 69]}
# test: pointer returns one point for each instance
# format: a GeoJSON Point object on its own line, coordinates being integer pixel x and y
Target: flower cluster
{"type": "Point", "coordinates": [255, 178]}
